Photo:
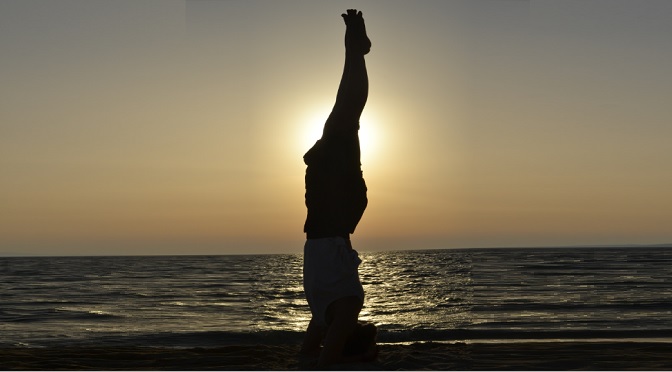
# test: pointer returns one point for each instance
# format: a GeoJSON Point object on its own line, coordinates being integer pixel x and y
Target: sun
{"type": "Point", "coordinates": [369, 135]}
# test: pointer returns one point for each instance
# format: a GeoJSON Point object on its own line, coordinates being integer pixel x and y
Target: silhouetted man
{"type": "Point", "coordinates": [336, 200]}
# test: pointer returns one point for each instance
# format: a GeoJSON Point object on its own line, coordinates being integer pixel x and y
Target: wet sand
{"type": "Point", "coordinates": [417, 356]}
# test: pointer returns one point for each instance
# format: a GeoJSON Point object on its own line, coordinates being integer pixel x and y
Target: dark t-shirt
{"type": "Point", "coordinates": [335, 188]}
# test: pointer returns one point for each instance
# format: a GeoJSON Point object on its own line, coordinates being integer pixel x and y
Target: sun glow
{"type": "Point", "coordinates": [369, 135]}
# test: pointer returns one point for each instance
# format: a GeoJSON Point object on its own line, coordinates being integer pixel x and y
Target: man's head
{"type": "Point", "coordinates": [361, 340]}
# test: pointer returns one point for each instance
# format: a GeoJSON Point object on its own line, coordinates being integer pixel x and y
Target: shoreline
{"type": "Point", "coordinates": [526, 355]}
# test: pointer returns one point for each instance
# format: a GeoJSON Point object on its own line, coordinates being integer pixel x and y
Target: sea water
{"type": "Point", "coordinates": [481, 295]}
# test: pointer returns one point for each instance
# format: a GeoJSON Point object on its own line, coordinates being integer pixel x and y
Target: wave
{"type": "Point", "coordinates": [213, 339]}
{"type": "Point", "coordinates": [425, 335]}
{"type": "Point", "coordinates": [662, 306]}
{"type": "Point", "coordinates": [73, 313]}
{"type": "Point", "coordinates": [51, 314]}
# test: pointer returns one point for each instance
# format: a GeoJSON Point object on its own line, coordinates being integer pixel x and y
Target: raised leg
{"type": "Point", "coordinates": [353, 90]}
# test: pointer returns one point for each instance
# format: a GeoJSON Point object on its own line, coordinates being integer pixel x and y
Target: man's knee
{"type": "Point", "coordinates": [342, 123]}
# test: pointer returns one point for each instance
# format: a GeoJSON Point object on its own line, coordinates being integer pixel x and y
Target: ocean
{"type": "Point", "coordinates": [468, 295]}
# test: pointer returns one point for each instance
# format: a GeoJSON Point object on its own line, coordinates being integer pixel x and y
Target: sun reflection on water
{"type": "Point", "coordinates": [404, 290]}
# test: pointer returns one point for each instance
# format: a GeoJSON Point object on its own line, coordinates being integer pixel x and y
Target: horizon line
{"type": "Point", "coordinates": [575, 246]}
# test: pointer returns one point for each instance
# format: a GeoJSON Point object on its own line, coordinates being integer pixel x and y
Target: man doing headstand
{"type": "Point", "coordinates": [336, 200]}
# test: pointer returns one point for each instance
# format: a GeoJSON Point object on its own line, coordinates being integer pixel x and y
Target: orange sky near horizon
{"type": "Point", "coordinates": [178, 127]}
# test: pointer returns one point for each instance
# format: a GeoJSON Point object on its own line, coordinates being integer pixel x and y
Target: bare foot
{"type": "Point", "coordinates": [355, 34]}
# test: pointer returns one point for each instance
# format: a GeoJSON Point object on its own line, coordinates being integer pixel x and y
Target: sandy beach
{"type": "Point", "coordinates": [418, 356]}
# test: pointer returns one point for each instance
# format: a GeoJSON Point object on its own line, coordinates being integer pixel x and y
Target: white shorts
{"type": "Point", "coordinates": [329, 273]}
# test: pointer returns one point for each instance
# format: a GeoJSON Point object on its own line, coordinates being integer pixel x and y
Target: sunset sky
{"type": "Point", "coordinates": [179, 126]}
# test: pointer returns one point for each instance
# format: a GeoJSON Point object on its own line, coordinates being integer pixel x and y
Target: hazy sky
{"type": "Point", "coordinates": [164, 127]}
